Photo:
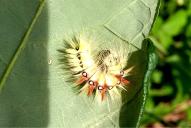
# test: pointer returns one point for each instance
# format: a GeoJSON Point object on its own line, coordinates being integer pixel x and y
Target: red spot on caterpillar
{"type": "Point", "coordinates": [103, 92]}
{"type": "Point", "coordinates": [81, 80]}
{"type": "Point", "coordinates": [92, 87]}
{"type": "Point", "coordinates": [90, 90]}
{"type": "Point", "coordinates": [122, 80]}
{"type": "Point", "coordinates": [103, 89]}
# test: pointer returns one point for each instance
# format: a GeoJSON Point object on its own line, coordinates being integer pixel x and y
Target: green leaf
{"type": "Point", "coordinates": [33, 93]}
{"type": "Point", "coordinates": [157, 76]}
{"type": "Point", "coordinates": [158, 23]}
{"type": "Point", "coordinates": [188, 31]}
{"type": "Point", "coordinates": [174, 25]}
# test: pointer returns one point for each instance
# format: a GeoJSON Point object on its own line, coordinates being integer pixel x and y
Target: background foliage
{"type": "Point", "coordinates": [169, 102]}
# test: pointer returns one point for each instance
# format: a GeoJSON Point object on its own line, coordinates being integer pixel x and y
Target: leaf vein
{"type": "Point", "coordinates": [22, 45]}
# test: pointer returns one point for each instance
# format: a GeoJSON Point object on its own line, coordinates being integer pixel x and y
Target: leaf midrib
{"type": "Point", "coordinates": [22, 45]}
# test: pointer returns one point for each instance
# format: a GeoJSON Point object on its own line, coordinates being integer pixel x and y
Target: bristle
{"type": "Point", "coordinates": [96, 71]}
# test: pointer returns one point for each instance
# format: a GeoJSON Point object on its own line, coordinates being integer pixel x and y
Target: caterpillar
{"type": "Point", "coordinates": [100, 70]}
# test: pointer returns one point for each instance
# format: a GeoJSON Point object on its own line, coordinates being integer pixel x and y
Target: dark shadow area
{"type": "Point", "coordinates": [133, 99]}
{"type": "Point", "coordinates": [24, 100]}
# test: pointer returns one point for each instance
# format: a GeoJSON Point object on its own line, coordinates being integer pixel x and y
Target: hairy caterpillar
{"type": "Point", "coordinates": [97, 70]}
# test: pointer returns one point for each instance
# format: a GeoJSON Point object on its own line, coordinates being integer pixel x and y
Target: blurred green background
{"type": "Point", "coordinates": [169, 101]}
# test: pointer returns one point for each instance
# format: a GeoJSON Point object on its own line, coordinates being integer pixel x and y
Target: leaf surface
{"type": "Point", "coordinates": [35, 94]}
